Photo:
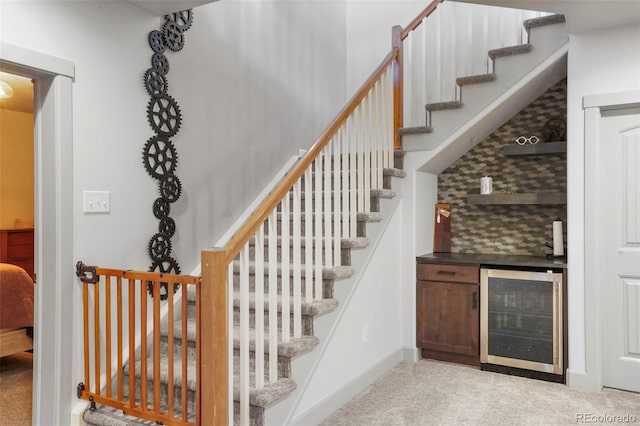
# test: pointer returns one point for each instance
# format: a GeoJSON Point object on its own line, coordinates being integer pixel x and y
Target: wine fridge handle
{"type": "Point", "coordinates": [474, 300]}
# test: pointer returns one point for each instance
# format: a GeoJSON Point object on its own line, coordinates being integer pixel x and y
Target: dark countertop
{"type": "Point", "coordinates": [493, 259]}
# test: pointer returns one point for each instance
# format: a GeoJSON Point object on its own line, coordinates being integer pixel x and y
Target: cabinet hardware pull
{"type": "Point", "coordinates": [474, 302]}
{"type": "Point", "coordinates": [446, 272]}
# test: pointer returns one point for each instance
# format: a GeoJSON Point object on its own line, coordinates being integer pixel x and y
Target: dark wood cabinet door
{"type": "Point", "coordinates": [448, 317]}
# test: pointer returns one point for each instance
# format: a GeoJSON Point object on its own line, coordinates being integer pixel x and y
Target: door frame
{"type": "Point", "coordinates": [54, 354]}
{"type": "Point", "coordinates": [593, 107]}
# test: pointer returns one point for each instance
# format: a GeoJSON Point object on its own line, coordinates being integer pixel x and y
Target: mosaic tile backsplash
{"type": "Point", "coordinates": [508, 229]}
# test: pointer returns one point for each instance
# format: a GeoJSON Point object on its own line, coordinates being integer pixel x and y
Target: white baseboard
{"type": "Point", "coordinates": [410, 354]}
{"type": "Point", "coordinates": [75, 419]}
{"type": "Point", "coordinates": [315, 415]}
{"type": "Point", "coordinates": [582, 380]}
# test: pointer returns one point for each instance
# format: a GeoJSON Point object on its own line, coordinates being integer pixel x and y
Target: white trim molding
{"type": "Point", "coordinates": [56, 298]}
{"type": "Point", "coordinates": [593, 107]}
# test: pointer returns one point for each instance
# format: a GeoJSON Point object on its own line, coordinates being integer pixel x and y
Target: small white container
{"type": "Point", "coordinates": [486, 185]}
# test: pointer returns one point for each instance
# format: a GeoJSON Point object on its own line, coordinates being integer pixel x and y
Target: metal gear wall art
{"type": "Point", "coordinates": [159, 155]}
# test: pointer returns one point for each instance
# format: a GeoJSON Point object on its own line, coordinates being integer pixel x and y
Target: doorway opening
{"type": "Point", "coordinates": [17, 272]}
{"type": "Point", "coordinates": [54, 356]}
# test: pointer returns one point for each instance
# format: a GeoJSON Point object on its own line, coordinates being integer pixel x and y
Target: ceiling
{"type": "Point", "coordinates": [22, 99]}
{"type": "Point", "coordinates": [581, 15]}
{"type": "Point", "coordinates": [162, 7]}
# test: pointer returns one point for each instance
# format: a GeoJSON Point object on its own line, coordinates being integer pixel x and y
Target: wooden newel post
{"type": "Point", "coordinates": [396, 41]}
{"type": "Point", "coordinates": [214, 360]}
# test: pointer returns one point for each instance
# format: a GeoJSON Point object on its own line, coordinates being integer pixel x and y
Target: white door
{"type": "Point", "coordinates": [619, 246]}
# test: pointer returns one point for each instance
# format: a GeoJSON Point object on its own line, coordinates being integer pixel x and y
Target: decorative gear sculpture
{"type": "Point", "coordinates": [170, 188]}
{"type": "Point", "coordinates": [167, 226]}
{"type": "Point", "coordinates": [159, 247]}
{"type": "Point", "coordinates": [159, 157]}
{"type": "Point", "coordinates": [156, 41]}
{"type": "Point", "coordinates": [182, 19]}
{"type": "Point", "coordinates": [173, 36]}
{"type": "Point", "coordinates": [164, 115]}
{"type": "Point", "coordinates": [155, 83]}
{"type": "Point", "coordinates": [160, 63]}
{"type": "Point", "coordinates": [161, 208]}
{"type": "Point", "coordinates": [167, 265]}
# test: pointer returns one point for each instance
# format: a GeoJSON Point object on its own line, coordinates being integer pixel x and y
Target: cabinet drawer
{"type": "Point", "coordinates": [451, 273]}
{"type": "Point", "coordinates": [20, 238]}
{"type": "Point", "coordinates": [20, 251]}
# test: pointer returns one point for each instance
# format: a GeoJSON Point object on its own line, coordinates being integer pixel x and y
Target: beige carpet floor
{"type": "Point", "coordinates": [438, 393]}
{"type": "Point", "coordinates": [16, 372]}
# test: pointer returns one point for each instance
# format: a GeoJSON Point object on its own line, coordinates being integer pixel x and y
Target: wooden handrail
{"type": "Point", "coordinates": [258, 217]}
{"type": "Point", "coordinates": [418, 19]}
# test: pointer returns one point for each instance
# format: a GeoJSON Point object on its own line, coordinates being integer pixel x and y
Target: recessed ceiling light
{"type": "Point", "coordinates": [6, 91]}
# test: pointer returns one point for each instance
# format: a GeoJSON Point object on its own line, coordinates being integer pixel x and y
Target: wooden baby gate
{"type": "Point", "coordinates": [128, 363]}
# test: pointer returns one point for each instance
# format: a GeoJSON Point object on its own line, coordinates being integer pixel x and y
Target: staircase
{"type": "Point", "coordinates": [507, 67]}
{"type": "Point", "coordinates": [442, 119]}
{"type": "Point", "coordinates": [271, 393]}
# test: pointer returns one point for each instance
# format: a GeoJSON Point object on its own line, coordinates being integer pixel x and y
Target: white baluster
{"type": "Point", "coordinates": [285, 294]}
{"type": "Point", "coordinates": [230, 329]}
{"type": "Point", "coordinates": [353, 178]}
{"type": "Point", "coordinates": [344, 176]}
{"type": "Point", "coordinates": [366, 153]}
{"type": "Point", "coordinates": [244, 335]}
{"type": "Point", "coordinates": [297, 261]}
{"type": "Point", "coordinates": [335, 189]}
{"type": "Point", "coordinates": [379, 131]}
{"type": "Point", "coordinates": [259, 305]}
{"type": "Point", "coordinates": [360, 156]}
{"type": "Point", "coordinates": [389, 146]}
{"type": "Point", "coordinates": [317, 199]}
{"type": "Point", "coordinates": [308, 234]}
{"type": "Point", "coordinates": [326, 208]}
{"type": "Point", "coordinates": [273, 296]}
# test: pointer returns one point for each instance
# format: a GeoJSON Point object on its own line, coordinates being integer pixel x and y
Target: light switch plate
{"type": "Point", "coordinates": [96, 202]}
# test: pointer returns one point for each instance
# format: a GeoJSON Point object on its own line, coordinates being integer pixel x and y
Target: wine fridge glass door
{"type": "Point", "coordinates": [521, 324]}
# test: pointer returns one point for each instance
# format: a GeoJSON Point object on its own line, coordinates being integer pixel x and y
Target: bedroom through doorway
{"type": "Point", "coordinates": [17, 266]}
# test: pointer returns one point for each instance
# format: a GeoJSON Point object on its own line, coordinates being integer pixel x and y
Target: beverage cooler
{"type": "Point", "coordinates": [521, 324]}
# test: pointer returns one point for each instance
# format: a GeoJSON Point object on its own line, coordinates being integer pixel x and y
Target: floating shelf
{"type": "Point", "coordinates": [541, 148]}
{"type": "Point", "coordinates": [531, 198]}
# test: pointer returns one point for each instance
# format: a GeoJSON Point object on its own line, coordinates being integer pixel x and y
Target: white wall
{"type": "Point", "coordinates": [369, 24]}
{"type": "Point", "coordinates": [256, 82]}
{"type": "Point", "coordinates": [599, 62]}
{"type": "Point", "coordinates": [374, 303]}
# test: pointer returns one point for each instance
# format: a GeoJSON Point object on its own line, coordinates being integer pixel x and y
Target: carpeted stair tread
{"type": "Point", "coordinates": [418, 130]}
{"type": "Point", "coordinates": [543, 20]}
{"type": "Point", "coordinates": [476, 79]}
{"type": "Point", "coordinates": [333, 273]}
{"type": "Point", "coordinates": [291, 349]}
{"type": "Point", "coordinates": [441, 106]}
{"type": "Point", "coordinates": [317, 307]}
{"type": "Point", "coordinates": [360, 217]}
{"type": "Point", "coordinates": [381, 193]}
{"type": "Point", "coordinates": [294, 347]}
{"type": "Point", "coordinates": [510, 50]}
{"type": "Point", "coordinates": [269, 394]}
{"type": "Point", "coordinates": [395, 172]}
{"type": "Point", "coordinates": [356, 242]}
{"type": "Point", "coordinates": [264, 397]}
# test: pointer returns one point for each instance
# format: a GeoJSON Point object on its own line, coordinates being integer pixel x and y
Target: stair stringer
{"type": "Point", "coordinates": [498, 112]}
{"type": "Point", "coordinates": [305, 367]}
{"type": "Point", "coordinates": [511, 70]}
